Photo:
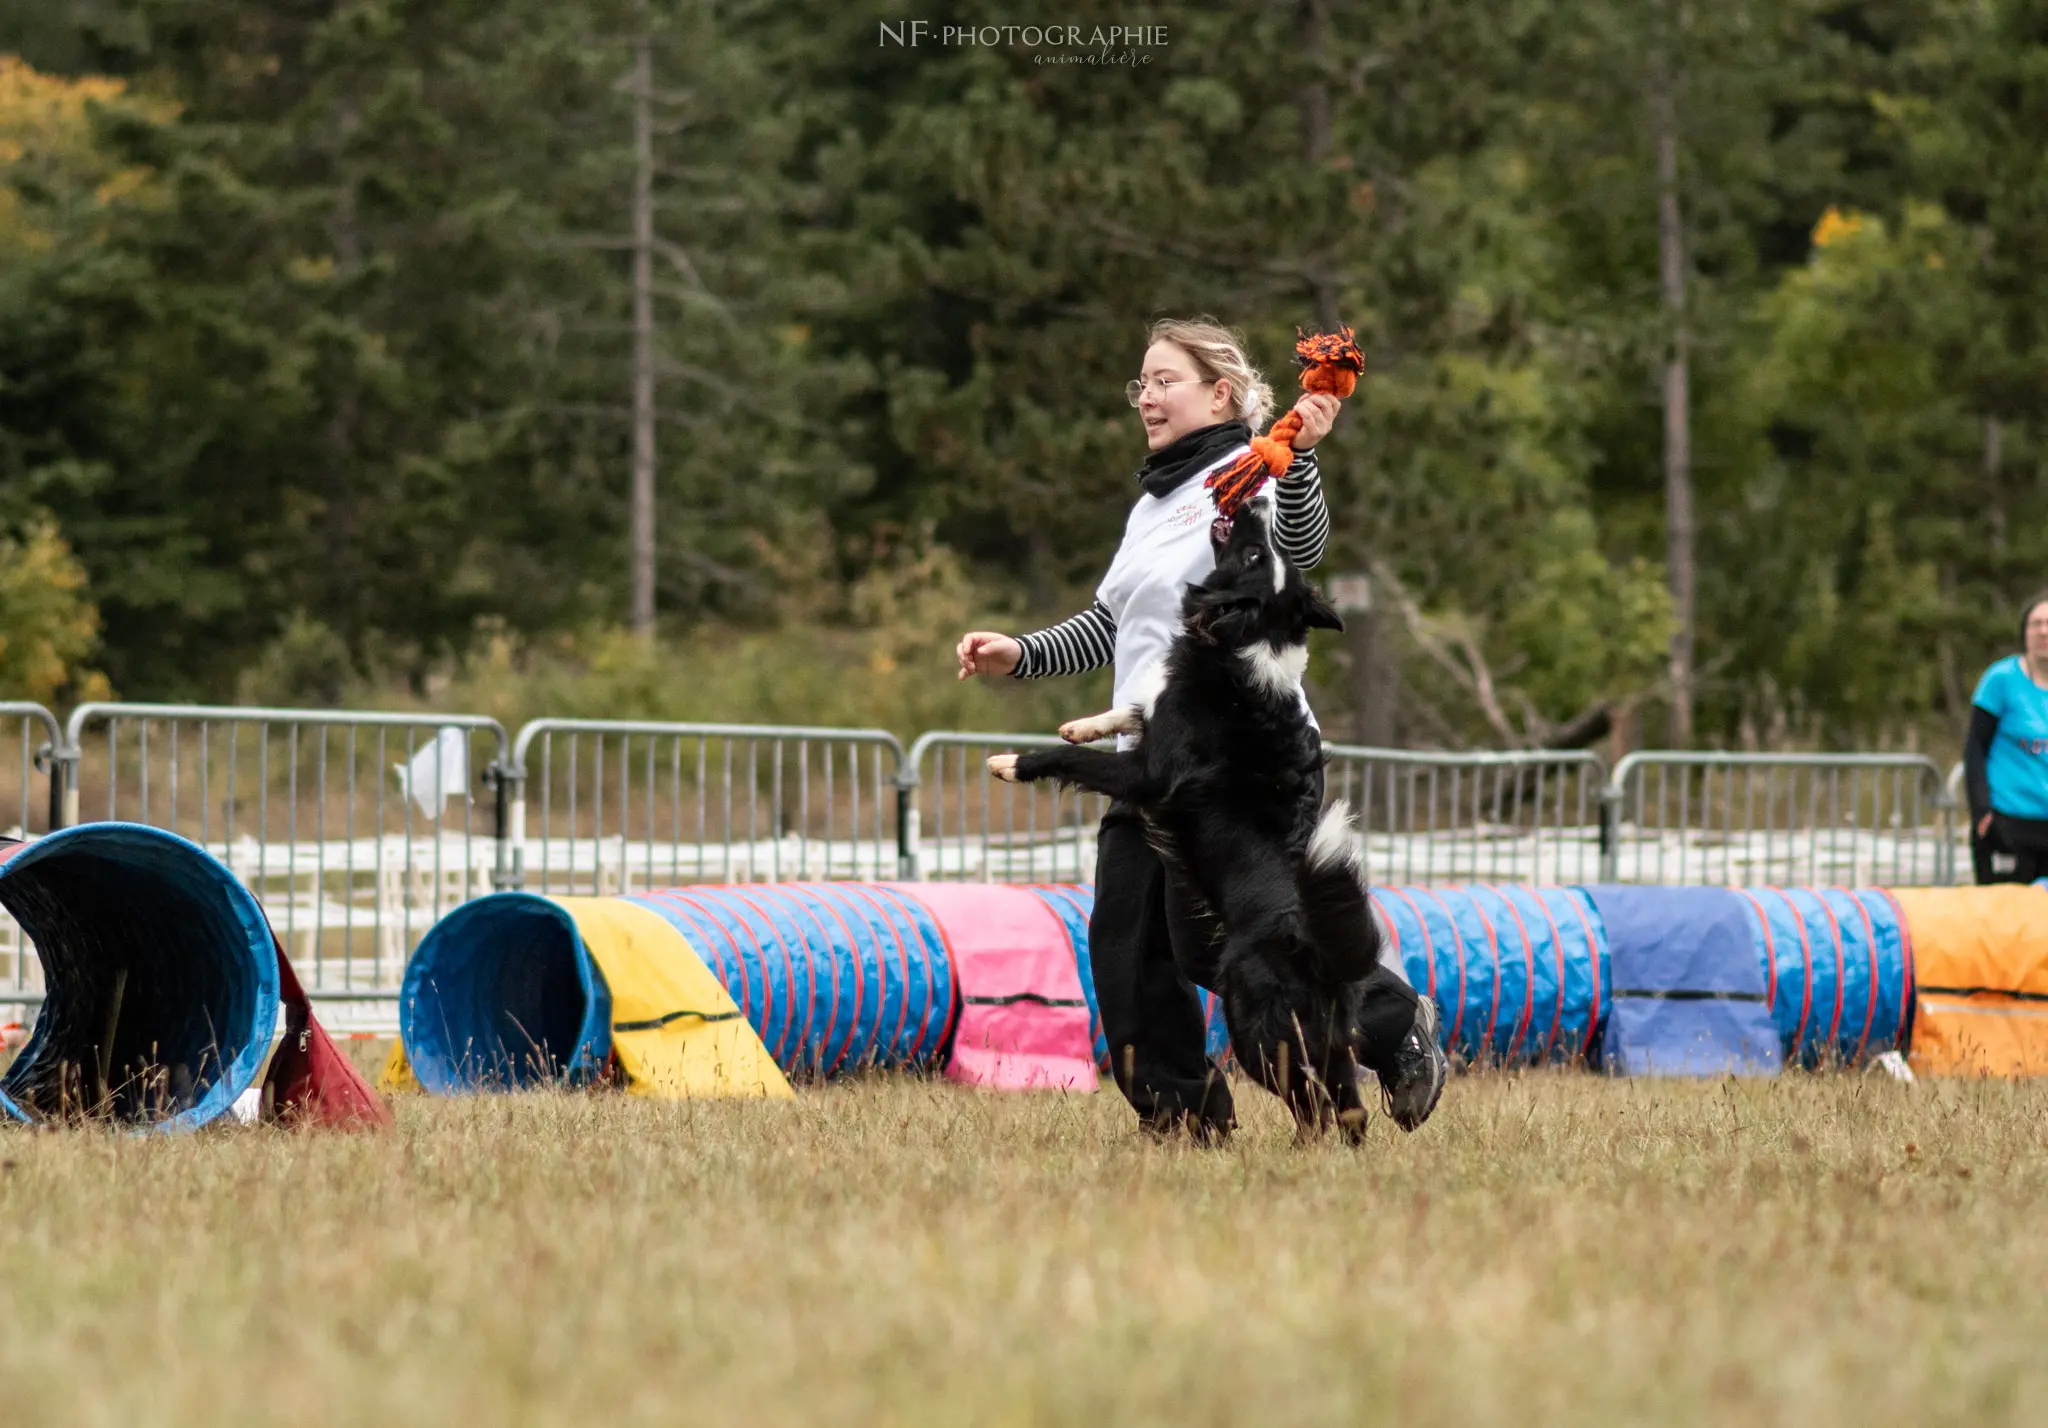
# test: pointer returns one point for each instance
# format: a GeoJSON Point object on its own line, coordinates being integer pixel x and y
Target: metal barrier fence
{"type": "Point", "coordinates": [962, 825]}
{"type": "Point", "coordinates": [35, 738]}
{"type": "Point", "coordinates": [623, 805]}
{"type": "Point", "coordinates": [1473, 817]}
{"type": "Point", "coordinates": [1848, 819]}
{"type": "Point", "coordinates": [342, 824]}
{"type": "Point", "coordinates": [1533, 816]}
{"type": "Point", "coordinates": [31, 738]}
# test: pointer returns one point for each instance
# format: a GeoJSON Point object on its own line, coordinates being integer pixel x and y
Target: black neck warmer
{"type": "Point", "coordinates": [1167, 467]}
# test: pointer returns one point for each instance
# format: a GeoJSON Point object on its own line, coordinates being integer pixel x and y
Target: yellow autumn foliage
{"type": "Point", "coordinates": [48, 625]}
{"type": "Point", "coordinates": [1836, 225]}
{"type": "Point", "coordinates": [47, 147]}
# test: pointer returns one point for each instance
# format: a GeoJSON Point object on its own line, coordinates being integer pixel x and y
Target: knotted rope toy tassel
{"type": "Point", "coordinates": [1330, 362]}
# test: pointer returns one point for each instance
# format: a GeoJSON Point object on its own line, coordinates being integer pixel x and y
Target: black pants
{"type": "Point", "coordinates": [1147, 949]}
{"type": "Point", "coordinates": [2023, 840]}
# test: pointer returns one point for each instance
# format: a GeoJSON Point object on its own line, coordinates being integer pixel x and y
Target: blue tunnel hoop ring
{"type": "Point", "coordinates": [503, 993]}
{"type": "Point", "coordinates": [161, 996]}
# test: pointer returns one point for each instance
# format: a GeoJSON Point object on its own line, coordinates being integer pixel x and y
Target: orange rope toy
{"type": "Point", "coordinates": [1330, 362]}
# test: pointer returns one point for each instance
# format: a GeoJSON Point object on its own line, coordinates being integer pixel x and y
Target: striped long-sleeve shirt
{"type": "Point", "coordinates": [1086, 641]}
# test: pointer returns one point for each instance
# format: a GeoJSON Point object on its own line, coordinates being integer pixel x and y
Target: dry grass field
{"type": "Point", "coordinates": [1551, 1249]}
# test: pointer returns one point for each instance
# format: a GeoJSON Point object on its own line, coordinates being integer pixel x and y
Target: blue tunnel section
{"type": "Point", "coordinates": [1751, 979]}
{"type": "Point", "coordinates": [832, 976]}
{"type": "Point", "coordinates": [161, 982]}
{"type": "Point", "coordinates": [1840, 988]}
{"type": "Point", "coordinates": [502, 994]}
{"type": "Point", "coordinates": [1690, 995]}
{"type": "Point", "coordinates": [1518, 973]}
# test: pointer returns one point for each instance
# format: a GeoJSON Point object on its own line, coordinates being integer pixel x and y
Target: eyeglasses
{"type": "Point", "coordinates": [1135, 388]}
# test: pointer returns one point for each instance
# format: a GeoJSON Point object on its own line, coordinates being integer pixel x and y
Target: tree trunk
{"type": "Point", "coordinates": [1994, 460]}
{"type": "Point", "coordinates": [1375, 660]}
{"type": "Point", "coordinates": [1375, 684]}
{"type": "Point", "coordinates": [642, 530]}
{"type": "Point", "coordinates": [344, 576]}
{"type": "Point", "coordinates": [1316, 135]}
{"type": "Point", "coordinates": [1678, 523]}
{"type": "Point", "coordinates": [1376, 679]}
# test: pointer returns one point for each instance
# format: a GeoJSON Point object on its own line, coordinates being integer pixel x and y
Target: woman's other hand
{"type": "Point", "coordinates": [986, 652]}
{"type": "Point", "coordinates": [1318, 414]}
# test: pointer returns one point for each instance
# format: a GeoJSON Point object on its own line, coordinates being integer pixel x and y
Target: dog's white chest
{"type": "Point", "coordinates": [1278, 670]}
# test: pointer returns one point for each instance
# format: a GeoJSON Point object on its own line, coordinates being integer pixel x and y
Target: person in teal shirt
{"type": "Point", "coordinates": [2005, 759]}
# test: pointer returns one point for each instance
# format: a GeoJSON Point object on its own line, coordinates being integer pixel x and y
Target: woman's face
{"type": "Point", "coordinates": [1176, 400]}
{"type": "Point", "coordinates": [2037, 636]}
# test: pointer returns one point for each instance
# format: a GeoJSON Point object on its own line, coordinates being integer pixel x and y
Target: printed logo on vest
{"type": "Point", "coordinates": [1184, 515]}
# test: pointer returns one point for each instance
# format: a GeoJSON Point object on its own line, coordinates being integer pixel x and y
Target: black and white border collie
{"type": "Point", "coordinates": [1224, 774]}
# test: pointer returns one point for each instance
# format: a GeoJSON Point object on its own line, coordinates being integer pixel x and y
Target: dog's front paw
{"type": "Point", "coordinates": [1003, 766]}
{"type": "Point", "coordinates": [1124, 720]}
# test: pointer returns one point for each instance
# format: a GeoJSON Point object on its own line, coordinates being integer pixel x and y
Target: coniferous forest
{"type": "Point", "coordinates": [1708, 347]}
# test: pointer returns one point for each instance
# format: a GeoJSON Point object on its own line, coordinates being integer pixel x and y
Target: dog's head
{"type": "Point", "coordinates": [1255, 595]}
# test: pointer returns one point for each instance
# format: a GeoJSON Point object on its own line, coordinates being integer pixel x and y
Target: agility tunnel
{"type": "Point", "coordinates": [734, 990]}
{"type": "Point", "coordinates": [1636, 980]}
{"type": "Point", "coordinates": [515, 990]}
{"type": "Point", "coordinates": [1747, 981]}
{"type": "Point", "coordinates": [1980, 979]}
{"type": "Point", "coordinates": [995, 983]}
{"type": "Point", "coordinates": [992, 982]}
{"type": "Point", "coordinates": [1517, 972]}
{"type": "Point", "coordinates": [168, 1001]}
{"type": "Point", "coordinates": [1073, 904]}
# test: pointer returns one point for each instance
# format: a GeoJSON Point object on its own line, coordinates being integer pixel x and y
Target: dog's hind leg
{"type": "Point", "coordinates": [1295, 1087]}
{"type": "Point", "coordinates": [1329, 1088]}
{"type": "Point", "coordinates": [1293, 1081]}
{"type": "Point", "coordinates": [1340, 1078]}
{"type": "Point", "coordinates": [1266, 1037]}
{"type": "Point", "coordinates": [1311, 1092]}
{"type": "Point", "coordinates": [1335, 902]}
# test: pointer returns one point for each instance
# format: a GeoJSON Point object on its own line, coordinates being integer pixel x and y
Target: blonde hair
{"type": "Point", "coordinates": [1218, 354]}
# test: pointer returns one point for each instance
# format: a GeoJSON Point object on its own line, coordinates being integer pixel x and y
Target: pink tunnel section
{"type": "Point", "coordinates": [1023, 1014]}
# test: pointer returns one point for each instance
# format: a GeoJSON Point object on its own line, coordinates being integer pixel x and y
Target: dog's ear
{"type": "Point", "coordinates": [1322, 615]}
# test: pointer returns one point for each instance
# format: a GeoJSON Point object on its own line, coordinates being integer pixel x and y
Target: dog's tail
{"type": "Point", "coordinates": [1334, 902]}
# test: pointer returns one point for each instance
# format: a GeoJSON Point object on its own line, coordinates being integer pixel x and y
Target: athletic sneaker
{"type": "Point", "coordinates": [1420, 1069]}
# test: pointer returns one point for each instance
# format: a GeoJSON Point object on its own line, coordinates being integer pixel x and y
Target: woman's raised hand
{"type": "Point", "coordinates": [1318, 414]}
{"type": "Point", "coordinates": [986, 652]}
